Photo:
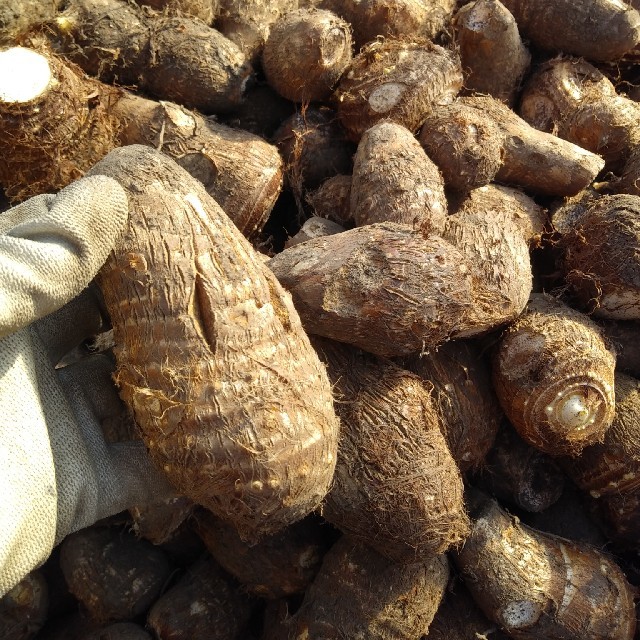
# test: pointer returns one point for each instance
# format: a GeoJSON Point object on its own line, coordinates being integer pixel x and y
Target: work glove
{"type": "Point", "coordinates": [57, 472]}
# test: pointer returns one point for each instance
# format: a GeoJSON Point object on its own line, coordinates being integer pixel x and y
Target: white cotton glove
{"type": "Point", "coordinates": [57, 473]}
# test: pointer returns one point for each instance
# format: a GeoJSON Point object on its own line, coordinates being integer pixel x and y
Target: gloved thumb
{"type": "Point", "coordinates": [51, 247]}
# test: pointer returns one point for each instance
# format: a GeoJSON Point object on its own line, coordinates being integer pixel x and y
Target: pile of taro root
{"type": "Point", "coordinates": [376, 313]}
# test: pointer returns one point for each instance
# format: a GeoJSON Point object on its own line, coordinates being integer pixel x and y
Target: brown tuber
{"type": "Point", "coordinates": [396, 80]}
{"type": "Point", "coordinates": [396, 487]}
{"type": "Point", "coordinates": [112, 573]}
{"type": "Point", "coordinates": [478, 139]}
{"type": "Point", "coordinates": [231, 399]}
{"type": "Point", "coordinates": [554, 376]}
{"type": "Point", "coordinates": [204, 603]}
{"type": "Point", "coordinates": [206, 10]}
{"type": "Point", "coordinates": [54, 122]}
{"type": "Point", "coordinates": [535, 585]}
{"type": "Point", "coordinates": [599, 240]}
{"type": "Point", "coordinates": [173, 58]}
{"type": "Point", "coordinates": [494, 59]}
{"type": "Point", "coordinates": [383, 287]}
{"type": "Point", "coordinates": [306, 53]}
{"type": "Point", "coordinates": [463, 397]}
{"type": "Point", "coordinates": [360, 594]}
{"type": "Point", "coordinates": [24, 609]}
{"type": "Point", "coordinates": [392, 19]}
{"type": "Point", "coordinates": [395, 181]}
{"type": "Point", "coordinates": [595, 29]}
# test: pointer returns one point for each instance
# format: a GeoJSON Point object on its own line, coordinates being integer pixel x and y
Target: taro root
{"type": "Point", "coordinates": [522, 209]}
{"type": "Point", "coordinates": [535, 585]}
{"type": "Point", "coordinates": [332, 200]}
{"type": "Point", "coordinates": [396, 487]}
{"type": "Point", "coordinates": [247, 22]}
{"type": "Point", "coordinates": [595, 29]}
{"type": "Point", "coordinates": [554, 376]}
{"type": "Point", "coordinates": [601, 262]}
{"type": "Point", "coordinates": [396, 80]}
{"type": "Point", "coordinates": [383, 287]}
{"type": "Point", "coordinates": [173, 58]}
{"type": "Point", "coordinates": [159, 521]}
{"type": "Point", "coordinates": [395, 181]}
{"type": "Point", "coordinates": [239, 170]}
{"type": "Point", "coordinates": [494, 247]}
{"type": "Point", "coordinates": [279, 565]}
{"type": "Point", "coordinates": [360, 594]}
{"type": "Point", "coordinates": [623, 336]}
{"type": "Point", "coordinates": [314, 147]}
{"type": "Point", "coordinates": [461, 138]}
{"type": "Point", "coordinates": [54, 122]}
{"type": "Point", "coordinates": [613, 466]}
{"type": "Point", "coordinates": [23, 609]}
{"type": "Point", "coordinates": [112, 573]}
{"type": "Point", "coordinates": [401, 19]}
{"type": "Point", "coordinates": [232, 401]}
{"type": "Point", "coordinates": [460, 618]}
{"type": "Point", "coordinates": [204, 603]}
{"type": "Point", "coordinates": [314, 227]}
{"type": "Point", "coordinates": [204, 9]}
{"type": "Point", "coordinates": [494, 58]}
{"type": "Point", "coordinates": [572, 99]}
{"type": "Point", "coordinates": [521, 475]}
{"type": "Point", "coordinates": [17, 17]}
{"type": "Point", "coordinates": [306, 53]}
{"type": "Point", "coordinates": [466, 403]}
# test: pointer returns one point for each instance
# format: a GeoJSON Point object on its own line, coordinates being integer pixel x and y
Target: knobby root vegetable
{"type": "Point", "coordinates": [595, 29]}
{"type": "Point", "coordinates": [554, 376]}
{"type": "Point", "coordinates": [204, 603]}
{"type": "Point", "coordinates": [613, 466]}
{"type": "Point", "coordinates": [383, 287]}
{"type": "Point", "coordinates": [54, 122]}
{"type": "Point", "coordinates": [206, 10]}
{"type": "Point", "coordinates": [395, 181]}
{"type": "Point", "coordinates": [599, 241]}
{"type": "Point", "coordinates": [461, 139]}
{"type": "Point", "coordinates": [494, 247]}
{"type": "Point", "coordinates": [279, 565]}
{"type": "Point", "coordinates": [494, 58]}
{"type": "Point", "coordinates": [392, 19]}
{"type": "Point", "coordinates": [172, 58]}
{"type": "Point", "coordinates": [535, 585]}
{"type": "Point", "coordinates": [24, 609]}
{"type": "Point", "coordinates": [464, 398]}
{"type": "Point", "coordinates": [306, 53]}
{"type": "Point", "coordinates": [332, 200]}
{"type": "Point", "coordinates": [396, 487]}
{"type": "Point", "coordinates": [17, 17]}
{"type": "Point", "coordinates": [623, 336]}
{"type": "Point", "coordinates": [112, 573]}
{"type": "Point", "coordinates": [518, 474]}
{"type": "Point", "coordinates": [118, 631]}
{"type": "Point", "coordinates": [239, 170]}
{"type": "Point", "coordinates": [314, 147]}
{"type": "Point", "coordinates": [230, 397]}
{"type": "Point", "coordinates": [360, 594]}
{"type": "Point", "coordinates": [396, 80]}
{"type": "Point", "coordinates": [574, 100]}
{"type": "Point", "coordinates": [522, 209]}
{"type": "Point", "coordinates": [314, 227]}
{"type": "Point", "coordinates": [247, 23]}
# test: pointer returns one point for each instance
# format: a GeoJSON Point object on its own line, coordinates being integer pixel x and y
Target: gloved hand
{"type": "Point", "coordinates": [57, 472]}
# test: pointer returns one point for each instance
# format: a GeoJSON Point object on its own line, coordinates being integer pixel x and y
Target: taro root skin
{"type": "Point", "coordinates": [383, 287]}
{"type": "Point", "coordinates": [398, 81]}
{"type": "Point", "coordinates": [554, 376]}
{"type": "Point", "coordinates": [306, 53]}
{"type": "Point", "coordinates": [535, 585]}
{"type": "Point", "coordinates": [230, 397]}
